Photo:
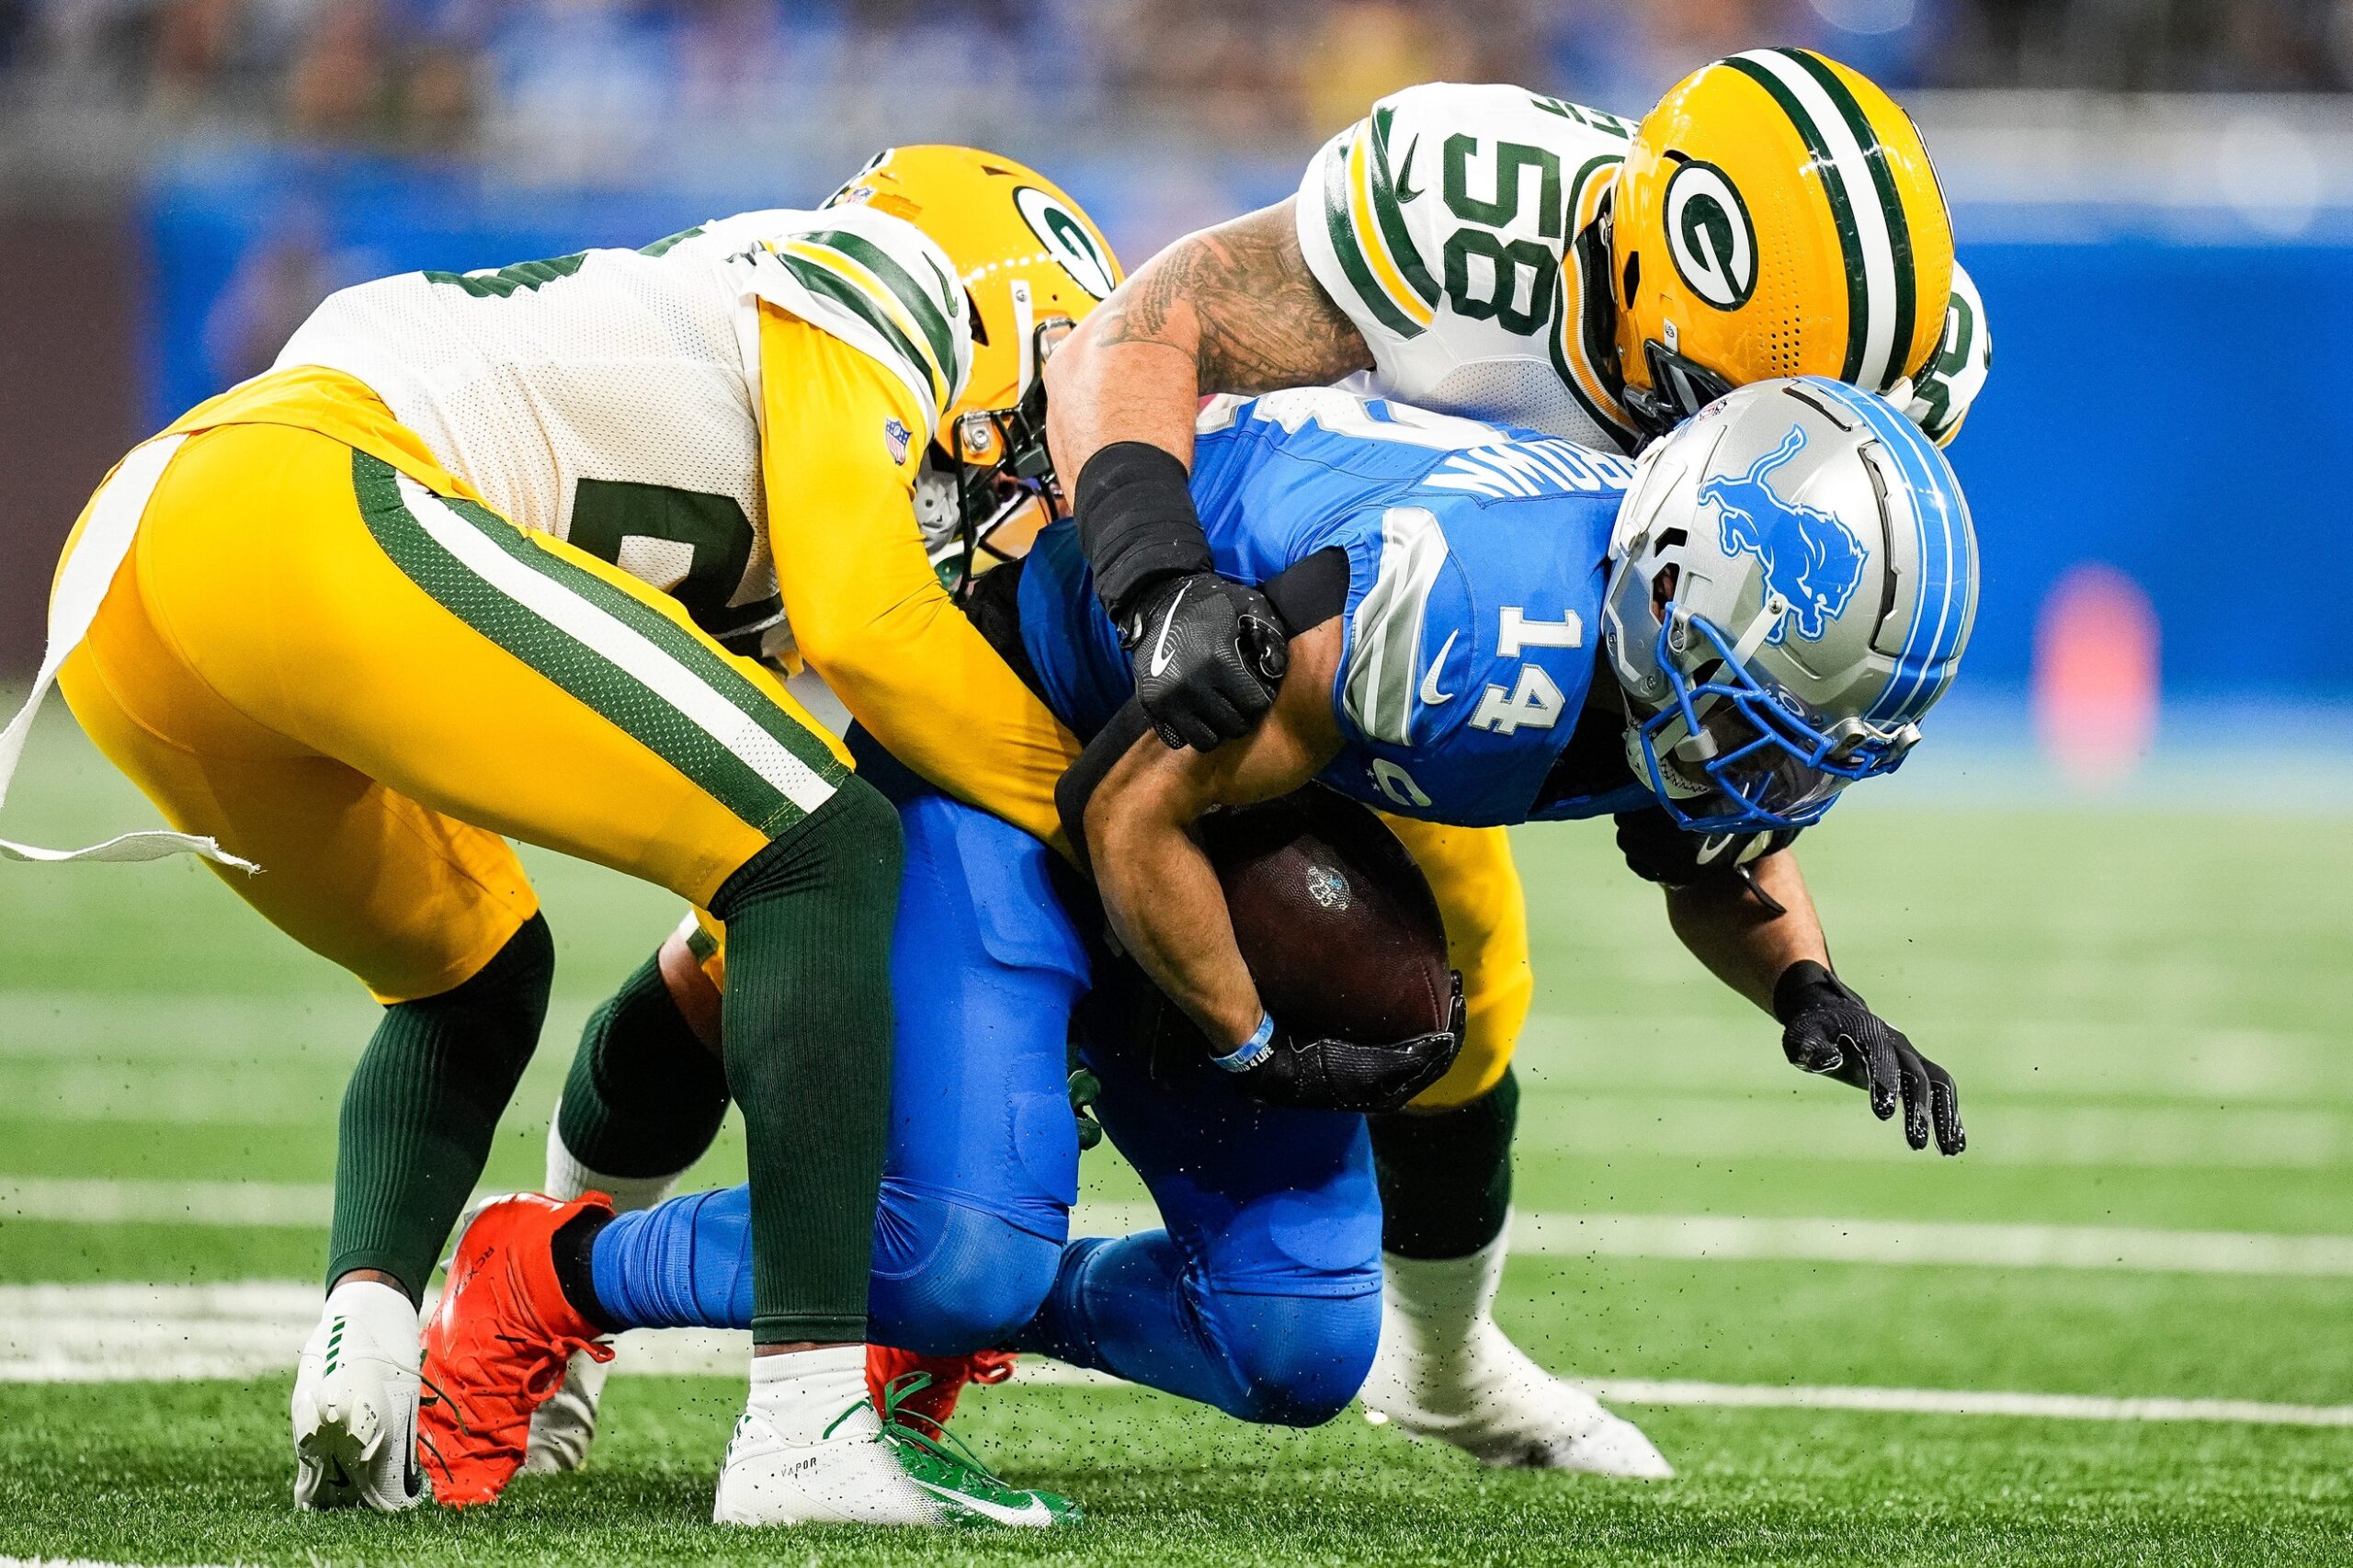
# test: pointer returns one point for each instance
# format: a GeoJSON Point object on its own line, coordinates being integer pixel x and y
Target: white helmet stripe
{"type": "Point", "coordinates": [1880, 349]}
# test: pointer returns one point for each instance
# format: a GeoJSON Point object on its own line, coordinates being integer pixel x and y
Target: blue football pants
{"type": "Point", "coordinates": [1261, 1294]}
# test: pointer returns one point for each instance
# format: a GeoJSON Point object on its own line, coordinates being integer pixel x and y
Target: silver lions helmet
{"type": "Point", "coordinates": [1794, 576]}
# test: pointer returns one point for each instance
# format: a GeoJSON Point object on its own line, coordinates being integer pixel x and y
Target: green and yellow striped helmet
{"type": "Point", "coordinates": [1777, 216]}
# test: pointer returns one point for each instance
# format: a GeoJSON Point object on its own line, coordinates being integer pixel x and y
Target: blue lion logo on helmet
{"type": "Point", "coordinates": [1811, 558]}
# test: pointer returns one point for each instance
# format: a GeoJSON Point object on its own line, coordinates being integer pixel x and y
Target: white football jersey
{"type": "Point", "coordinates": [1459, 228]}
{"type": "Point", "coordinates": [612, 397]}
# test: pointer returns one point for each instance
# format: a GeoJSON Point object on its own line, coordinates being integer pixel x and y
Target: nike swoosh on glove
{"type": "Point", "coordinates": [1208, 654]}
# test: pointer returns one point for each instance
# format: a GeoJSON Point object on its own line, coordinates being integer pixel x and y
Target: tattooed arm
{"type": "Point", "coordinates": [1232, 308]}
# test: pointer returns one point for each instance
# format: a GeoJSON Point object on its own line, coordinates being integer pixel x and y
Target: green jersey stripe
{"type": "Point", "coordinates": [1842, 209]}
{"type": "Point", "coordinates": [1343, 230]}
{"type": "Point", "coordinates": [584, 672]}
{"type": "Point", "coordinates": [926, 310]}
{"type": "Point", "coordinates": [1898, 229]}
{"type": "Point", "coordinates": [1392, 214]}
{"type": "Point", "coordinates": [833, 286]}
{"type": "Point", "coordinates": [812, 766]}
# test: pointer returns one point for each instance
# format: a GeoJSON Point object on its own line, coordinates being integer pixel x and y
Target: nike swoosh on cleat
{"type": "Point", "coordinates": [1405, 172]}
{"type": "Point", "coordinates": [1168, 623]}
{"type": "Point", "coordinates": [1431, 695]}
{"type": "Point", "coordinates": [1037, 1513]}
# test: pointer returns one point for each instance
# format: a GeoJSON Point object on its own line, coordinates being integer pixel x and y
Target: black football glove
{"type": "Point", "coordinates": [1348, 1075]}
{"type": "Point", "coordinates": [1208, 652]}
{"type": "Point", "coordinates": [1826, 1029]}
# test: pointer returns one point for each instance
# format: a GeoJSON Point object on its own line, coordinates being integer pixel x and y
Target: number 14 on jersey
{"type": "Point", "coordinates": [1535, 700]}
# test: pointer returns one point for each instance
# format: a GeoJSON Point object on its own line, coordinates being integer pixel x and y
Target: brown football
{"type": "Point", "coordinates": [1333, 918]}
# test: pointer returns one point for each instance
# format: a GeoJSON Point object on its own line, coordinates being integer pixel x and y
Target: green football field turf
{"type": "Point", "coordinates": [2145, 1008]}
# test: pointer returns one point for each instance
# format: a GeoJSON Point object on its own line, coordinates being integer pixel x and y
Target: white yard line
{"type": "Point", "coordinates": [1708, 1238]}
{"type": "Point", "coordinates": [172, 1333]}
{"type": "Point", "coordinates": [1968, 1402]}
{"type": "Point", "coordinates": [105, 1202]}
{"type": "Point", "coordinates": [1927, 1242]}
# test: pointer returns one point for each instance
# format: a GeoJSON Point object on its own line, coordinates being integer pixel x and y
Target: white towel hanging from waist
{"type": "Point", "coordinates": [82, 587]}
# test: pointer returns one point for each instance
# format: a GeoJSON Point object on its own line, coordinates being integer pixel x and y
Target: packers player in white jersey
{"type": "Point", "coordinates": [1494, 253]}
{"type": "Point", "coordinates": [468, 564]}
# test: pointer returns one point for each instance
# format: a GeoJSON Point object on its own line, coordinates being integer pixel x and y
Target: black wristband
{"type": "Point", "coordinates": [1136, 521]}
{"type": "Point", "coordinates": [1799, 982]}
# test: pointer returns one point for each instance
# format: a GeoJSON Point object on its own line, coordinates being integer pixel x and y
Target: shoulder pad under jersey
{"type": "Point", "coordinates": [1439, 223]}
{"type": "Point", "coordinates": [875, 281]}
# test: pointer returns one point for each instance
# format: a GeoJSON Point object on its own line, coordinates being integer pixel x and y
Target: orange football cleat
{"type": "Point", "coordinates": [932, 1405]}
{"type": "Point", "coordinates": [496, 1349]}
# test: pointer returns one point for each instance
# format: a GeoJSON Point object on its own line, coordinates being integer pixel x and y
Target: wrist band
{"type": "Point", "coordinates": [1251, 1051]}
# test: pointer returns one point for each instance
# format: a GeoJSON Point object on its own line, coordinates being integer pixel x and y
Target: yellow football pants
{"type": "Point", "coordinates": [364, 687]}
{"type": "Point", "coordinates": [1486, 910]}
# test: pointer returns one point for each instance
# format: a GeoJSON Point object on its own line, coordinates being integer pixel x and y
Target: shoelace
{"type": "Point", "coordinates": [939, 1443]}
{"type": "Point", "coordinates": [433, 1396]}
{"type": "Point", "coordinates": [537, 1358]}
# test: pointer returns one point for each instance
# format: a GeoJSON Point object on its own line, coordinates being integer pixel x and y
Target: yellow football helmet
{"type": "Point", "coordinates": [1777, 215]}
{"type": "Point", "coordinates": [1032, 264]}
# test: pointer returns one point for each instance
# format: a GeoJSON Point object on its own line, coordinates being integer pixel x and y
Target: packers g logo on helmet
{"type": "Point", "coordinates": [1071, 241]}
{"type": "Point", "coordinates": [1709, 235]}
{"type": "Point", "coordinates": [1777, 215]}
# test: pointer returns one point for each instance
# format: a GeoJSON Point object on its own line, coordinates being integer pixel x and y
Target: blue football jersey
{"type": "Point", "coordinates": [1476, 557]}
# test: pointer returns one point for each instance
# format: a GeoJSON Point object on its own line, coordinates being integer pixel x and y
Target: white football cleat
{"type": "Point", "coordinates": [1445, 1370]}
{"type": "Point", "coordinates": [355, 1405]}
{"type": "Point", "coordinates": [850, 1478]}
{"type": "Point", "coordinates": [788, 1465]}
{"type": "Point", "coordinates": [562, 1428]}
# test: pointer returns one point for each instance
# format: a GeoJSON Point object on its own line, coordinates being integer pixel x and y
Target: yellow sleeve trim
{"type": "Point", "coordinates": [867, 608]}
{"type": "Point", "coordinates": [1369, 236]}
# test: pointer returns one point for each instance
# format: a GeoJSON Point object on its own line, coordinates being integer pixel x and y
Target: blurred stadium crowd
{"type": "Point", "coordinates": [468, 76]}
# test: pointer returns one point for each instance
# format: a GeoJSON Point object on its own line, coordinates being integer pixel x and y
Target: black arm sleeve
{"type": "Point", "coordinates": [1658, 851]}
{"type": "Point", "coordinates": [1136, 521]}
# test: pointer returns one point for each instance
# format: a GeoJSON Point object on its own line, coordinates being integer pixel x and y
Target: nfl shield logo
{"type": "Point", "coordinates": [896, 436]}
{"type": "Point", "coordinates": [1328, 886]}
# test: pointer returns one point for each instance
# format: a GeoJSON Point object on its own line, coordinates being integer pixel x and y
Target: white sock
{"type": "Point", "coordinates": [568, 1178]}
{"type": "Point", "coordinates": [382, 1314]}
{"type": "Point", "coordinates": [802, 1392]}
{"type": "Point", "coordinates": [1442, 1302]}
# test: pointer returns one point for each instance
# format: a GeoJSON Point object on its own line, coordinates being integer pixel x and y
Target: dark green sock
{"type": "Point", "coordinates": [807, 1025]}
{"type": "Point", "coordinates": [422, 1106]}
{"type": "Point", "coordinates": [645, 1096]}
{"type": "Point", "coordinates": [1446, 1180]}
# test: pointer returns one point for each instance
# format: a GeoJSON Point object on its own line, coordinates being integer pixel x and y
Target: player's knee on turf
{"type": "Point", "coordinates": [1297, 1360]}
{"type": "Point", "coordinates": [950, 1278]}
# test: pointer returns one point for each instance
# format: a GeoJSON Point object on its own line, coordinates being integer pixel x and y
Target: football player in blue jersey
{"type": "Point", "coordinates": [1485, 627]}
{"type": "Point", "coordinates": [1486, 251]}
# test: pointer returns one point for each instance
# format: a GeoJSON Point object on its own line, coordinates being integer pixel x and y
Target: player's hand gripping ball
{"type": "Point", "coordinates": [1344, 942]}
